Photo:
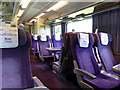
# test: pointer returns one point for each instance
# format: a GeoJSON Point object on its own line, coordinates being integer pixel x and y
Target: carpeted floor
{"type": "Point", "coordinates": [46, 75]}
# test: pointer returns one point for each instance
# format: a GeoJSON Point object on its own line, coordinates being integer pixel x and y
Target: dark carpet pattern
{"type": "Point", "coordinates": [46, 75]}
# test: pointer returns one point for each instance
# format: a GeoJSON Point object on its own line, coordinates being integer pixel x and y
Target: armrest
{"type": "Point", "coordinates": [116, 68]}
{"type": "Point", "coordinates": [32, 49]}
{"type": "Point", "coordinates": [39, 83]}
{"type": "Point", "coordinates": [84, 73]}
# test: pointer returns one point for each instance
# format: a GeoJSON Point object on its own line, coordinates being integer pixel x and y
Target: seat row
{"type": "Point", "coordinates": [90, 58]}
{"type": "Point", "coordinates": [41, 42]}
{"type": "Point", "coordinates": [16, 69]}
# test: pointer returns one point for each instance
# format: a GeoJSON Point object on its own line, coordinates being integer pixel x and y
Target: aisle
{"type": "Point", "coordinates": [51, 80]}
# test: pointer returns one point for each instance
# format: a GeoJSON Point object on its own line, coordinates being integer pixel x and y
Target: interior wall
{"type": "Point", "coordinates": [36, 27]}
{"type": "Point", "coordinates": [39, 27]}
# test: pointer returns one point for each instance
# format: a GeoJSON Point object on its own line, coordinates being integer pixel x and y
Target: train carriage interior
{"type": "Point", "coordinates": [59, 44]}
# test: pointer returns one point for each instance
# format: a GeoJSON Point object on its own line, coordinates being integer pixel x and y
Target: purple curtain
{"type": "Point", "coordinates": [63, 27]}
{"type": "Point", "coordinates": [52, 28]}
{"type": "Point", "coordinates": [109, 22]}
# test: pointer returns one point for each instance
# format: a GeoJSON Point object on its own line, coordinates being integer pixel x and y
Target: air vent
{"type": "Point", "coordinates": [40, 5]}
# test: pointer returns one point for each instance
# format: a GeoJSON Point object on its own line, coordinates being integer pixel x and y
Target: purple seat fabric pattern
{"type": "Point", "coordinates": [85, 60]}
{"type": "Point", "coordinates": [42, 47]}
{"type": "Point", "coordinates": [34, 45]}
{"type": "Point", "coordinates": [16, 69]}
{"type": "Point", "coordinates": [106, 54]}
{"type": "Point", "coordinates": [65, 63]}
{"type": "Point", "coordinates": [57, 43]}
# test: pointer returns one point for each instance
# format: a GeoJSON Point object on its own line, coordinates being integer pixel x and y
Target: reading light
{"type": "Point", "coordinates": [57, 6]}
{"type": "Point", "coordinates": [20, 13]}
{"type": "Point", "coordinates": [25, 3]}
{"type": "Point", "coordinates": [40, 15]}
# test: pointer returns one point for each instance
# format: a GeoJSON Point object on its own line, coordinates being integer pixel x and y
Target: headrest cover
{"type": "Point", "coordinates": [57, 37]}
{"type": "Point", "coordinates": [8, 37]}
{"type": "Point", "coordinates": [83, 39]}
{"type": "Point", "coordinates": [43, 38]}
{"type": "Point", "coordinates": [35, 37]}
{"type": "Point", "coordinates": [104, 38]}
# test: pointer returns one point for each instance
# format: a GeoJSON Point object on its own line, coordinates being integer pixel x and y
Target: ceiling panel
{"type": "Point", "coordinates": [39, 5]}
{"type": "Point", "coordinates": [34, 9]}
{"type": "Point", "coordinates": [71, 7]}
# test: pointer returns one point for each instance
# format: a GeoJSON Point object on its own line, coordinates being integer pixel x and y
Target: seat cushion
{"type": "Point", "coordinates": [103, 82]}
{"type": "Point", "coordinates": [34, 43]}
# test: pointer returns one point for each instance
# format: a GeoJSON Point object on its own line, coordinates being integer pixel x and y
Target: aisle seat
{"type": "Point", "coordinates": [35, 49]}
{"type": "Point", "coordinates": [65, 63]}
{"type": "Point", "coordinates": [16, 68]}
{"type": "Point", "coordinates": [44, 42]}
{"type": "Point", "coordinates": [57, 42]}
{"type": "Point", "coordinates": [105, 55]}
{"type": "Point", "coordinates": [86, 67]}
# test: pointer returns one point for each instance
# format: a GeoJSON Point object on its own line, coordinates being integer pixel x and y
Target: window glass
{"type": "Point", "coordinates": [57, 32]}
{"type": "Point", "coordinates": [80, 26]}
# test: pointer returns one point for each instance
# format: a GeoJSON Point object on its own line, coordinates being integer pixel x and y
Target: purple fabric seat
{"type": "Point", "coordinates": [57, 43]}
{"type": "Point", "coordinates": [106, 54]}
{"type": "Point", "coordinates": [34, 44]}
{"type": "Point", "coordinates": [103, 82]}
{"type": "Point", "coordinates": [65, 63]}
{"type": "Point", "coordinates": [57, 66]}
{"type": "Point", "coordinates": [43, 53]}
{"type": "Point", "coordinates": [16, 69]}
{"type": "Point", "coordinates": [85, 66]}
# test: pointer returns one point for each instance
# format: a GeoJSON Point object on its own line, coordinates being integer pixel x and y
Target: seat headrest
{"type": "Point", "coordinates": [43, 38]}
{"type": "Point", "coordinates": [11, 37]}
{"type": "Point", "coordinates": [83, 39]}
{"type": "Point", "coordinates": [104, 38]}
{"type": "Point", "coordinates": [58, 37]}
{"type": "Point", "coordinates": [35, 37]}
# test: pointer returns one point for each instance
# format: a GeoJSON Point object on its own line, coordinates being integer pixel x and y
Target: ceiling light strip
{"type": "Point", "coordinates": [57, 6]}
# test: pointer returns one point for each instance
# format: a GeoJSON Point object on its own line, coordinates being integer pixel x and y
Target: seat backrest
{"type": "Point", "coordinates": [104, 49]}
{"type": "Point", "coordinates": [34, 43]}
{"type": "Point", "coordinates": [16, 69]}
{"type": "Point", "coordinates": [81, 46]}
{"type": "Point", "coordinates": [66, 44]}
{"type": "Point", "coordinates": [57, 43]}
{"type": "Point", "coordinates": [43, 45]}
{"type": "Point", "coordinates": [66, 60]}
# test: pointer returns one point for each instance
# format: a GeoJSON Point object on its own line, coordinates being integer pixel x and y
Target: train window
{"type": "Point", "coordinates": [48, 32]}
{"type": "Point", "coordinates": [81, 26]}
{"type": "Point", "coordinates": [57, 31]}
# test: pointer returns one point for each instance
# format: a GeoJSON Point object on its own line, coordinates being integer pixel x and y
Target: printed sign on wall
{"type": "Point", "coordinates": [8, 37]}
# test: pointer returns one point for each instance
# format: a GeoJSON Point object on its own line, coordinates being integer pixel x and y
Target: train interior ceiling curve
{"type": "Point", "coordinates": [55, 42]}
